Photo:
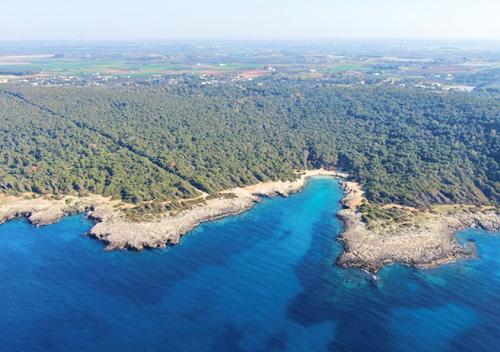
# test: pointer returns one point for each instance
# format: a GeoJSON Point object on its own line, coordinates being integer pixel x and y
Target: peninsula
{"type": "Point", "coordinates": [424, 238]}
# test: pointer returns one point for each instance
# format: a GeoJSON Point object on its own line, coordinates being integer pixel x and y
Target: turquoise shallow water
{"type": "Point", "coordinates": [260, 281]}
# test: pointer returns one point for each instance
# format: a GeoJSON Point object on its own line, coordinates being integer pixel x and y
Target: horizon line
{"type": "Point", "coordinates": [298, 39]}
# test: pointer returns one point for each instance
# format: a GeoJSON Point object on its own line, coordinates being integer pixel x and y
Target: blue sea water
{"type": "Point", "coordinates": [260, 281]}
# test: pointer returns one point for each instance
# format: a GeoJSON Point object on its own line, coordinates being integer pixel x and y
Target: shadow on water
{"type": "Point", "coordinates": [330, 294]}
{"type": "Point", "coordinates": [448, 308]}
{"type": "Point", "coordinates": [264, 280]}
{"type": "Point", "coordinates": [211, 245]}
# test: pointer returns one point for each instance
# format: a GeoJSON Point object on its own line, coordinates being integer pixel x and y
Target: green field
{"type": "Point", "coordinates": [346, 67]}
{"type": "Point", "coordinates": [113, 67]}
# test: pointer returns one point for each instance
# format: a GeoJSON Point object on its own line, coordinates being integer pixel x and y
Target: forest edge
{"type": "Point", "coordinates": [423, 238]}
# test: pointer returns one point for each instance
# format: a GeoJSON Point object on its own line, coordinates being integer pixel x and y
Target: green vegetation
{"type": "Point", "coordinates": [162, 143]}
{"type": "Point", "coordinates": [377, 217]}
{"type": "Point", "coordinates": [155, 210]}
{"type": "Point", "coordinates": [347, 67]}
{"type": "Point", "coordinates": [111, 67]}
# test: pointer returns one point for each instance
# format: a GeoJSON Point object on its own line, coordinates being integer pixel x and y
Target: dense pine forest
{"type": "Point", "coordinates": [163, 142]}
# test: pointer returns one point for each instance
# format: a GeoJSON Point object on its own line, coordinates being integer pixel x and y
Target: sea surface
{"type": "Point", "coordinates": [260, 281]}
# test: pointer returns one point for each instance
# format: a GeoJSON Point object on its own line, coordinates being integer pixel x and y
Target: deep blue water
{"type": "Point", "coordinates": [260, 281]}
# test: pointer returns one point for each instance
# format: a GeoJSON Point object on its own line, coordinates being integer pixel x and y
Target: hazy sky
{"type": "Point", "coordinates": [156, 19]}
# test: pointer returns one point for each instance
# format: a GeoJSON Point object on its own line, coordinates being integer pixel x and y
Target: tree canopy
{"type": "Point", "coordinates": [163, 142]}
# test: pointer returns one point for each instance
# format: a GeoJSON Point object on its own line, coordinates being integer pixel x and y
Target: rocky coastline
{"type": "Point", "coordinates": [429, 241]}
{"type": "Point", "coordinates": [118, 232]}
{"type": "Point", "coordinates": [46, 210]}
{"type": "Point", "coordinates": [426, 242]}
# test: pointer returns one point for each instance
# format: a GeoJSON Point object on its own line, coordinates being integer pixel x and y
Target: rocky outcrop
{"type": "Point", "coordinates": [427, 242]}
{"type": "Point", "coordinates": [119, 232]}
{"type": "Point", "coordinates": [45, 210]}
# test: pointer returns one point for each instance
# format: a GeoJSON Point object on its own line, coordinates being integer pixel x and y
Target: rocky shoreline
{"type": "Point", "coordinates": [426, 242]}
{"type": "Point", "coordinates": [47, 210]}
{"type": "Point", "coordinates": [118, 232]}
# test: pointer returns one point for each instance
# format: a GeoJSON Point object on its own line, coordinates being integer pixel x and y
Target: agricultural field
{"type": "Point", "coordinates": [415, 65]}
